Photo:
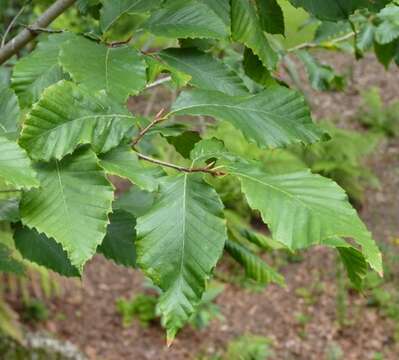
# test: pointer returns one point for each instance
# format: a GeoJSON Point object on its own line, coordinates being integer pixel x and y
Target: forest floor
{"type": "Point", "coordinates": [86, 315]}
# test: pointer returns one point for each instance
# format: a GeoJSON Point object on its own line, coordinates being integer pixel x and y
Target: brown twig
{"type": "Point", "coordinates": [206, 169]}
{"type": "Point", "coordinates": [25, 36]}
{"type": "Point", "coordinates": [158, 118]}
{"type": "Point", "coordinates": [120, 43]}
{"type": "Point", "coordinates": [38, 30]}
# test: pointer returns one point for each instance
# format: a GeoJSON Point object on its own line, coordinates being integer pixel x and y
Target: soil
{"type": "Point", "coordinates": [86, 315]}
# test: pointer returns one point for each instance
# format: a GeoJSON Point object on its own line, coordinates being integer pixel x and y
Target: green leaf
{"type": "Point", "coordinates": [8, 264]}
{"type": "Point", "coordinates": [72, 204]}
{"type": "Point", "coordinates": [40, 69]}
{"type": "Point", "coordinates": [5, 76]}
{"type": "Point", "coordinates": [273, 118]}
{"type": "Point", "coordinates": [112, 10]}
{"type": "Point", "coordinates": [206, 72]}
{"type": "Point", "coordinates": [120, 71]}
{"type": "Point", "coordinates": [271, 16]}
{"type": "Point", "coordinates": [155, 67]}
{"type": "Point", "coordinates": [118, 245]}
{"type": "Point", "coordinates": [386, 52]}
{"type": "Point", "coordinates": [186, 19]}
{"type": "Point", "coordinates": [303, 209]}
{"type": "Point", "coordinates": [221, 8]}
{"type": "Point", "coordinates": [329, 30]}
{"type": "Point", "coordinates": [9, 110]}
{"type": "Point", "coordinates": [246, 29]}
{"type": "Point", "coordinates": [15, 166]}
{"type": "Point", "coordinates": [365, 38]}
{"type": "Point", "coordinates": [123, 161]}
{"type": "Point", "coordinates": [388, 29]}
{"type": "Point", "coordinates": [9, 203]}
{"type": "Point", "coordinates": [85, 5]}
{"type": "Point", "coordinates": [9, 208]}
{"type": "Point", "coordinates": [336, 9]}
{"type": "Point", "coordinates": [184, 142]}
{"type": "Point", "coordinates": [67, 116]}
{"type": "Point", "coordinates": [135, 201]}
{"type": "Point", "coordinates": [179, 243]}
{"type": "Point", "coordinates": [255, 267]}
{"type": "Point", "coordinates": [353, 260]}
{"type": "Point", "coordinates": [255, 70]}
{"type": "Point", "coordinates": [43, 251]}
{"type": "Point", "coordinates": [207, 149]}
{"type": "Point", "coordinates": [322, 77]}
{"type": "Point", "coordinates": [243, 232]}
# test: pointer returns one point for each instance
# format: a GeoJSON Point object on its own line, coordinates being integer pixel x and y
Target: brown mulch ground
{"type": "Point", "coordinates": [91, 321]}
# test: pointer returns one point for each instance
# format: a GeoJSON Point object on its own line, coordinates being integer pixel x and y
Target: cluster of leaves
{"type": "Point", "coordinates": [64, 128]}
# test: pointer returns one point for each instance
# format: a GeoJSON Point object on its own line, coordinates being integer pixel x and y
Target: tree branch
{"type": "Point", "coordinates": [159, 82]}
{"type": "Point", "coordinates": [206, 169]}
{"type": "Point", "coordinates": [315, 45]}
{"type": "Point", "coordinates": [157, 120]}
{"type": "Point", "coordinates": [25, 36]}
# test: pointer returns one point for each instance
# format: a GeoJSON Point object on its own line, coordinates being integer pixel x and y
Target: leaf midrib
{"type": "Point", "coordinates": [63, 197]}
{"type": "Point", "coordinates": [183, 230]}
{"type": "Point", "coordinates": [269, 115]}
{"type": "Point", "coordinates": [285, 192]}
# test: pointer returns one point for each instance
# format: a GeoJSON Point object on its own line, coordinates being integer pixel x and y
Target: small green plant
{"type": "Point", "coordinates": [384, 296]}
{"type": "Point", "coordinates": [312, 293]}
{"type": "Point", "coordinates": [378, 356]}
{"type": "Point", "coordinates": [377, 116]}
{"type": "Point", "coordinates": [35, 310]}
{"type": "Point", "coordinates": [142, 307]}
{"type": "Point", "coordinates": [302, 320]}
{"type": "Point", "coordinates": [249, 347]}
{"type": "Point", "coordinates": [334, 352]}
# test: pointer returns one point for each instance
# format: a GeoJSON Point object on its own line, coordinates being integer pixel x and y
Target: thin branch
{"type": "Point", "coordinates": [315, 45]}
{"type": "Point", "coordinates": [207, 169]}
{"type": "Point", "coordinates": [159, 82]}
{"type": "Point", "coordinates": [10, 26]}
{"type": "Point", "coordinates": [39, 30]}
{"type": "Point", "coordinates": [9, 191]}
{"type": "Point", "coordinates": [158, 118]}
{"type": "Point", "coordinates": [25, 36]}
{"type": "Point", "coordinates": [120, 43]}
